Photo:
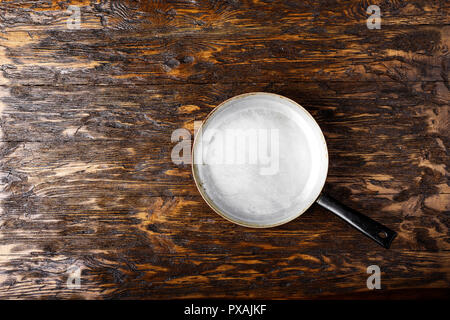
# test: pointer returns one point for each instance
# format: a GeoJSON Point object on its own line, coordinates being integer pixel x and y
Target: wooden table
{"type": "Point", "coordinates": [87, 115]}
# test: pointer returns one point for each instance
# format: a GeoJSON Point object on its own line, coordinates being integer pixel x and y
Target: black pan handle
{"type": "Point", "coordinates": [374, 230]}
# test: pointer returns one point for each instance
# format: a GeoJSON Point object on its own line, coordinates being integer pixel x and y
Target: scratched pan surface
{"type": "Point", "coordinates": [290, 167]}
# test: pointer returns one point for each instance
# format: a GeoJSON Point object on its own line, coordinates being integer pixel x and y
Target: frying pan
{"type": "Point", "coordinates": [260, 160]}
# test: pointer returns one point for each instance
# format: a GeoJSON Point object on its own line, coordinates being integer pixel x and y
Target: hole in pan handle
{"type": "Point", "coordinates": [374, 230]}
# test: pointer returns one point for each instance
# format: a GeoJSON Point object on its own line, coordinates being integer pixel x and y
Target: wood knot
{"type": "Point", "coordinates": [172, 63]}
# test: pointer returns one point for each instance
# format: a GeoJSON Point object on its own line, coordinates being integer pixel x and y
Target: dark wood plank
{"type": "Point", "coordinates": [180, 41]}
{"type": "Point", "coordinates": [389, 110]}
{"type": "Point", "coordinates": [179, 16]}
{"type": "Point", "coordinates": [170, 247]}
{"type": "Point", "coordinates": [152, 275]}
{"type": "Point", "coordinates": [61, 57]}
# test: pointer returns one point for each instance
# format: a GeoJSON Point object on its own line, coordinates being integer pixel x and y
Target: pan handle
{"type": "Point", "coordinates": [374, 230]}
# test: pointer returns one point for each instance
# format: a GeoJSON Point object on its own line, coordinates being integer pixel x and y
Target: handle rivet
{"type": "Point", "coordinates": [382, 234]}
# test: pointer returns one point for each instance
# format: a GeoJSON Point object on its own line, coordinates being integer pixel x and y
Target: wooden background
{"type": "Point", "coordinates": [86, 123]}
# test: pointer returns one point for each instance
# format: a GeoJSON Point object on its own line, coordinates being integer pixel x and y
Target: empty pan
{"type": "Point", "coordinates": [260, 160]}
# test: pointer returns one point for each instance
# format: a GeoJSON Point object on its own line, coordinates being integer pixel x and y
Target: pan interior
{"type": "Point", "coordinates": [260, 160]}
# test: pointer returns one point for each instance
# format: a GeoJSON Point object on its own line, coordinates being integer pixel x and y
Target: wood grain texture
{"type": "Point", "coordinates": [85, 141]}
